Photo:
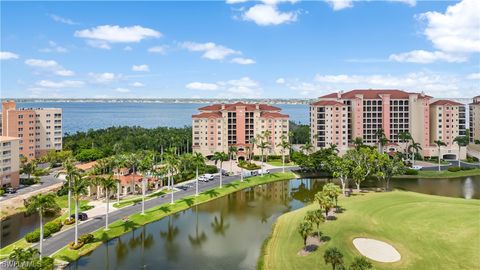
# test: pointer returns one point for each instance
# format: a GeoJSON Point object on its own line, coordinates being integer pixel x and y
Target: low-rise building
{"type": "Point", "coordinates": [474, 120]}
{"type": "Point", "coordinates": [10, 161]}
{"type": "Point", "coordinates": [217, 127]}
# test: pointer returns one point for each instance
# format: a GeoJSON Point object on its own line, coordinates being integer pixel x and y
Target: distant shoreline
{"type": "Point", "coordinates": [159, 100]}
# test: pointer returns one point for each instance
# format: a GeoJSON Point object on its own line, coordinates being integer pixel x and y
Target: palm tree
{"type": "Point", "coordinates": [405, 137]}
{"type": "Point", "coordinates": [79, 187]}
{"type": "Point", "coordinates": [198, 161]}
{"type": "Point", "coordinates": [284, 144]}
{"type": "Point", "coordinates": [171, 165]}
{"type": "Point", "coordinates": [29, 168]}
{"type": "Point", "coordinates": [333, 148]}
{"type": "Point", "coordinates": [358, 142]}
{"type": "Point", "coordinates": [220, 157]}
{"type": "Point", "coordinates": [307, 148]}
{"type": "Point", "coordinates": [305, 228]}
{"type": "Point", "coordinates": [439, 144]}
{"type": "Point", "coordinates": [461, 141]}
{"type": "Point", "coordinates": [334, 257]}
{"type": "Point", "coordinates": [360, 263]}
{"type": "Point", "coordinates": [71, 173]}
{"type": "Point", "coordinates": [268, 139]}
{"type": "Point", "coordinates": [132, 161]}
{"type": "Point", "coordinates": [108, 184]}
{"type": "Point", "coordinates": [263, 145]}
{"type": "Point", "coordinates": [219, 226]}
{"type": "Point", "coordinates": [325, 202]}
{"type": "Point", "coordinates": [416, 148]}
{"type": "Point", "coordinates": [382, 139]}
{"type": "Point", "coordinates": [232, 153]}
{"type": "Point", "coordinates": [41, 204]}
{"type": "Point", "coordinates": [315, 217]}
{"type": "Point", "coordinates": [253, 141]}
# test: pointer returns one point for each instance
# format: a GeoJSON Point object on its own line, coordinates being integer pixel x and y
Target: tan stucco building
{"type": "Point", "coordinates": [10, 161]}
{"type": "Point", "coordinates": [217, 127]}
{"type": "Point", "coordinates": [39, 129]}
{"type": "Point", "coordinates": [474, 113]}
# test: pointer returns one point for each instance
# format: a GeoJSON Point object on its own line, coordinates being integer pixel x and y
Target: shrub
{"type": "Point", "coordinates": [248, 165]}
{"type": "Point", "coordinates": [211, 169]}
{"type": "Point", "coordinates": [411, 172]}
{"type": "Point", "coordinates": [53, 226]}
{"type": "Point", "coordinates": [454, 169]}
{"type": "Point", "coordinates": [75, 247]}
{"type": "Point", "coordinates": [467, 168]}
{"type": "Point", "coordinates": [69, 221]}
{"type": "Point", "coordinates": [33, 237]}
{"type": "Point", "coordinates": [63, 190]}
{"type": "Point", "coordinates": [86, 238]}
{"type": "Point", "coordinates": [2, 191]}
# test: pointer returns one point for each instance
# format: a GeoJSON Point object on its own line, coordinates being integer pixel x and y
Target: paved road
{"type": "Point", "coordinates": [58, 241]}
{"type": "Point", "coordinates": [45, 181]}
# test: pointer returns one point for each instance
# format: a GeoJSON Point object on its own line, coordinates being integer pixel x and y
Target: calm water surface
{"type": "Point", "coordinates": [81, 116]}
{"type": "Point", "coordinates": [16, 226]}
{"type": "Point", "coordinates": [228, 232]}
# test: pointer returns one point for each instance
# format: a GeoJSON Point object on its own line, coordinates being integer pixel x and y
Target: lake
{"type": "Point", "coordinates": [81, 116]}
{"type": "Point", "coordinates": [228, 233]}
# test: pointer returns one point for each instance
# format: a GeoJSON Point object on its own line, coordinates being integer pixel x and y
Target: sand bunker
{"type": "Point", "coordinates": [376, 250]}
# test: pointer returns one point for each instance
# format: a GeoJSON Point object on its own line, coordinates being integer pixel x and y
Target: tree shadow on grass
{"type": "Point", "coordinates": [165, 209]}
{"type": "Point", "coordinates": [188, 201]}
{"type": "Point", "coordinates": [310, 248]}
{"type": "Point", "coordinates": [330, 217]}
{"type": "Point", "coordinates": [340, 209]}
{"type": "Point", "coordinates": [325, 238]}
{"type": "Point", "coordinates": [233, 185]}
{"type": "Point", "coordinates": [128, 225]}
{"type": "Point", "coordinates": [212, 193]}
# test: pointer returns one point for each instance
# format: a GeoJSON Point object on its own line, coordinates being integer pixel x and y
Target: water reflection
{"type": "Point", "coordinates": [16, 226]}
{"type": "Point", "coordinates": [468, 188]}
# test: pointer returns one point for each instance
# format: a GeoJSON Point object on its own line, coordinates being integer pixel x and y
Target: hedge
{"type": "Point", "coordinates": [411, 172]}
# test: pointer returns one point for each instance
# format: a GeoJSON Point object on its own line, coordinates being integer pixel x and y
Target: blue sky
{"type": "Point", "coordinates": [299, 49]}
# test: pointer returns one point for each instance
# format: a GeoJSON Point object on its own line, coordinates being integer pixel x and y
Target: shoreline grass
{"type": "Point", "coordinates": [137, 199]}
{"type": "Point", "coordinates": [430, 232]}
{"type": "Point", "coordinates": [136, 220]}
{"type": "Point", "coordinates": [442, 174]}
{"type": "Point", "coordinates": [278, 163]}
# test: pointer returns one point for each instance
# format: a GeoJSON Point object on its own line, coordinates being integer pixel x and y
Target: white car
{"type": "Point", "coordinates": [417, 167]}
{"type": "Point", "coordinates": [208, 177]}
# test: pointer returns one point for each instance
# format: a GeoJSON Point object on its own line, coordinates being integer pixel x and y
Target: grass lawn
{"type": "Point", "coordinates": [279, 163]}
{"type": "Point", "coordinates": [442, 174]}
{"type": "Point", "coordinates": [430, 232]}
{"type": "Point", "coordinates": [120, 227]}
{"type": "Point", "coordinates": [62, 201]}
{"type": "Point", "coordinates": [137, 199]}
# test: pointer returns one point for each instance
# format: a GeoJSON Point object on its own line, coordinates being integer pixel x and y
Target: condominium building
{"type": "Point", "coordinates": [10, 161]}
{"type": "Point", "coordinates": [447, 121]}
{"type": "Point", "coordinates": [361, 113]}
{"type": "Point", "coordinates": [474, 120]}
{"type": "Point", "coordinates": [217, 127]}
{"type": "Point", "coordinates": [39, 129]}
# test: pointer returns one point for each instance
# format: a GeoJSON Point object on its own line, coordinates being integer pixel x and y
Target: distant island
{"type": "Point", "coordinates": [185, 100]}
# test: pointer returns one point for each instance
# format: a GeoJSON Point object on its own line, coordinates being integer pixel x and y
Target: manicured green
{"type": "Point", "coordinates": [138, 199]}
{"type": "Point", "coordinates": [279, 163]}
{"type": "Point", "coordinates": [430, 232]}
{"type": "Point", "coordinates": [120, 227]}
{"type": "Point", "coordinates": [442, 174]}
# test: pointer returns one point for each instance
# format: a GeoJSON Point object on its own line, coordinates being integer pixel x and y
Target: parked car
{"type": "Point", "coordinates": [264, 171]}
{"type": "Point", "coordinates": [208, 177]}
{"type": "Point", "coordinates": [417, 167]}
{"type": "Point", "coordinates": [201, 178]}
{"type": "Point", "coordinates": [11, 190]}
{"type": "Point", "coordinates": [81, 216]}
{"type": "Point", "coordinates": [225, 173]}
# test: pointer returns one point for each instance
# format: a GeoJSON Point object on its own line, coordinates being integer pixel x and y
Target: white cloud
{"type": "Point", "coordinates": [49, 65]}
{"type": "Point", "coordinates": [202, 86]}
{"type": "Point", "coordinates": [264, 15]}
{"type": "Point", "coordinates": [60, 84]}
{"type": "Point", "coordinates": [101, 36]}
{"type": "Point", "coordinates": [104, 78]}
{"type": "Point", "coordinates": [158, 49]}
{"type": "Point", "coordinates": [127, 48]}
{"type": "Point", "coordinates": [425, 57]}
{"type": "Point", "coordinates": [210, 50]}
{"type": "Point", "coordinates": [280, 81]}
{"type": "Point", "coordinates": [242, 61]}
{"type": "Point", "coordinates": [473, 76]}
{"type": "Point", "coordinates": [236, 1]}
{"type": "Point", "coordinates": [244, 87]}
{"type": "Point", "coordinates": [411, 3]}
{"type": "Point", "coordinates": [122, 90]}
{"type": "Point", "coordinates": [140, 68]}
{"type": "Point", "coordinates": [456, 30]}
{"type": "Point", "coordinates": [8, 55]}
{"type": "Point", "coordinates": [340, 4]}
{"type": "Point", "coordinates": [61, 19]}
{"type": "Point", "coordinates": [137, 84]}
{"type": "Point", "coordinates": [54, 47]}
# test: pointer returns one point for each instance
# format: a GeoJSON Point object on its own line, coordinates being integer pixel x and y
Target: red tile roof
{"type": "Point", "coordinates": [273, 115]}
{"type": "Point", "coordinates": [442, 102]}
{"type": "Point", "coordinates": [233, 106]}
{"type": "Point", "coordinates": [208, 115]}
{"type": "Point", "coordinates": [127, 179]}
{"type": "Point", "coordinates": [86, 166]}
{"type": "Point", "coordinates": [373, 94]}
{"type": "Point", "coordinates": [327, 103]}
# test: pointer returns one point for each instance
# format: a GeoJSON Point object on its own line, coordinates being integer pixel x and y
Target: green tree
{"type": "Point", "coordinates": [362, 163]}
{"type": "Point", "coordinates": [386, 168]}
{"type": "Point", "coordinates": [405, 137]}
{"type": "Point", "coordinates": [381, 139]}
{"type": "Point", "coordinates": [199, 162]}
{"type": "Point", "coordinates": [361, 263]}
{"type": "Point", "coordinates": [89, 155]}
{"type": "Point", "coordinates": [108, 183]}
{"type": "Point", "coordinates": [305, 228]}
{"type": "Point", "coordinates": [332, 191]}
{"type": "Point", "coordinates": [340, 168]}
{"type": "Point", "coordinates": [71, 173]}
{"type": "Point", "coordinates": [325, 202]}
{"type": "Point", "coordinates": [232, 153]}
{"type": "Point", "coordinates": [461, 141]}
{"type": "Point", "coordinates": [334, 257]}
{"type": "Point", "coordinates": [30, 259]}
{"type": "Point", "coordinates": [41, 204]}
{"type": "Point", "coordinates": [415, 148]}
{"type": "Point", "coordinates": [307, 148]}
{"type": "Point", "coordinates": [316, 217]}
{"type": "Point", "coordinates": [171, 165]}
{"type": "Point", "coordinates": [284, 145]}
{"type": "Point", "coordinates": [132, 161]}
{"type": "Point", "coordinates": [78, 187]}
{"type": "Point", "coordinates": [220, 157]}
{"type": "Point", "coordinates": [358, 143]}
{"type": "Point", "coordinates": [29, 168]}
{"type": "Point", "coordinates": [439, 144]}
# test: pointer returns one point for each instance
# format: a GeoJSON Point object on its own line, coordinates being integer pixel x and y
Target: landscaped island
{"type": "Point", "coordinates": [430, 232]}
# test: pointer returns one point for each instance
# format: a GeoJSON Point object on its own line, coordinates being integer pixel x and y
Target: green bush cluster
{"type": "Point", "coordinates": [48, 229]}
{"type": "Point", "coordinates": [411, 172]}
{"type": "Point", "coordinates": [454, 169]}
{"type": "Point", "coordinates": [2, 191]}
{"type": "Point", "coordinates": [69, 221]}
{"type": "Point", "coordinates": [248, 165]}
{"type": "Point", "coordinates": [72, 245]}
{"type": "Point", "coordinates": [86, 238]}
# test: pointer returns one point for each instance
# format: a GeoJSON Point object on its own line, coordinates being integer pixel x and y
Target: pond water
{"type": "Point", "coordinates": [228, 233]}
{"type": "Point", "coordinates": [16, 226]}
